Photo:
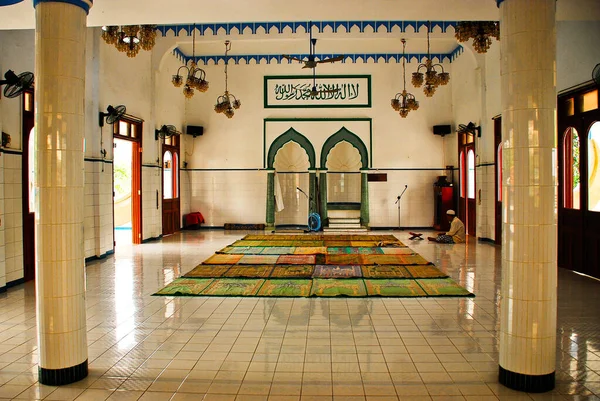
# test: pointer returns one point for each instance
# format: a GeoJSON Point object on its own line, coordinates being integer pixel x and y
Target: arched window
{"type": "Point", "coordinates": [175, 175]}
{"type": "Point", "coordinates": [499, 177]}
{"type": "Point", "coordinates": [571, 178]}
{"type": "Point", "coordinates": [593, 154]}
{"type": "Point", "coordinates": [471, 174]}
{"type": "Point", "coordinates": [168, 175]}
{"type": "Point", "coordinates": [463, 184]}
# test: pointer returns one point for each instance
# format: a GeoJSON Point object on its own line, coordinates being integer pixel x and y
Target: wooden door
{"type": "Point", "coordinates": [28, 187]}
{"type": "Point", "coordinates": [498, 180]}
{"type": "Point", "coordinates": [579, 181]}
{"type": "Point", "coordinates": [171, 217]}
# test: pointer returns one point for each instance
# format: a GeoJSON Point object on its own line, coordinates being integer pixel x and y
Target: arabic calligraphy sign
{"type": "Point", "coordinates": [331, 91]}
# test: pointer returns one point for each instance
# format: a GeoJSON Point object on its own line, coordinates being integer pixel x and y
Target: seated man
{"type": "Point", "coordinates": [456, 235]}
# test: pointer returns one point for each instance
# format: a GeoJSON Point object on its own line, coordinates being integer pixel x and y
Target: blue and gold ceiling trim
{"type": "Point", "coordinates": [253, 28]}
{"type": "Point", "coordinates": [349, 58]}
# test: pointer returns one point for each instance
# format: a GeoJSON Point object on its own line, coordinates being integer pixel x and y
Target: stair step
{"type": "Point", "coordinates": [343, 214]}
{"type": "Point", "coordinates": [344, 225]}
{"type": "Point", "coordinates": [344, 220]}
{"type": "Point", "coordinates": [353, 230]}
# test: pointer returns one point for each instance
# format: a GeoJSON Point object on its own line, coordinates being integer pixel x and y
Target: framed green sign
{"type": "Point", "coordinates": [295, 91]}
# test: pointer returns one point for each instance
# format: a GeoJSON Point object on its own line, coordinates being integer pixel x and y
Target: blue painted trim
{"type": "Point", "coordinates": [241, 28]}
{"type": "Point", "coordinates": [349, 58]}
{"type": "Point", "coordinates": [85, 4]}
{"type": "Point", "coordinates": [103, 256]}
{"type": "Point", "coordinates": [8, 3]}
{"type": "Point", "coordinates": [498, 2]}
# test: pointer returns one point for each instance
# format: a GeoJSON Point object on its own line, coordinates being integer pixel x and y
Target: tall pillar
{"type": "Point", "coordinates": [529, 240]}
{"type": "Point", "coordinates": [323, 193]}
{"type": "Point", "coordinates": [364, 197]}
{"type": "Point", "coordinates": [271, 198]}
{"type": "Point", "coordinates": [312, 191]}
{"type": "Point", "coordinates": [59, 119]}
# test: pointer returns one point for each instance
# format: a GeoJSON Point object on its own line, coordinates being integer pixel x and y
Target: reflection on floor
{"type": "Point", "coordinates": [162, 348]}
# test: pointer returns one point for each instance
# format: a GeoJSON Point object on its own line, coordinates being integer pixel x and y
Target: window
{"type": "Point", "coordinates": [570, 106]}
{"type": "Point", "coordinates": [168, 175]}
{"type": "Point", "coordinates": [471, 174]}
{"type": "Point", "coordinates": [590, 101]}
{"type": "Point", "coordinates": [593, 154]}
{"type": "Point", "coordinates": [571, 176]}
{"type": "Point", "coordinates": [175, 176]}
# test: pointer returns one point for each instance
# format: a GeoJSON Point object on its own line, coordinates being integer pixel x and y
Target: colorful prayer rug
{"type": "Point", "coordinates": [330, 271]}
{"type": "Point", "coordinates": [349, 287]}
{"type": "Point", "coordinates": [258, 259]}
{"type": "Point", "coordinates": [310, 250]}
{"type": "Point", "coordinates": [425, 271]}
{"type": "Point", "coordinates": [185, 286]}
{"type": "Point", "coordinates": [286, 288]}
{"type": "Point", "coordinates": [397, 251]}
{"type": "Point", "coordinates": [207, 271]}
{"type": "Point", "coordinates": [388, 271]}
{"type": "Point", "coordinates": [443, 287]}
{"type": "Point", "coordinates": [285, 271]}
{"type": "Point", "coordinates": [394, 288]}
{"type": "Point", "coordinates": [254, 271]}
{"type": "Point", "coordinates": [277, 250]}
{"type": "Point", "coordinates": [222, 259]}
{"type": "Point", "coordinates": [352, 250]}
{"type": "Point", "coordinates": [234, 287]}
{"type": "Point", "coordinates": [296, 260]}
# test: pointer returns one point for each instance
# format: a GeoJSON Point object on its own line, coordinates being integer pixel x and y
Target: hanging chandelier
{"type": "Point", "coordinates": [432, 78]}
{"type": "Point", "coordinates": [404, 102]}
{"type": "Point", "coordinates": [482, 33]}
{"type": "Point", "coordinates": [226, 103]}
{"type": "Point", "coordinates": [196, 77]}
{"type": "Point", "coordinates": [130, 38]}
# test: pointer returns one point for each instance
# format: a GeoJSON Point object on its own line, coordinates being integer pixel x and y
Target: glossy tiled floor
{"type": "Point", "coordinates": [162, 348]}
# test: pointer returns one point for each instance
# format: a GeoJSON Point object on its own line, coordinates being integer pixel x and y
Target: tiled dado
{"type": "Point", "coordinates": [485, 180]}
{"type": "Point", "coordinates": [98, 212]}
{"type": "Point", "coordinates": [151, 202]}
{"type": "Point", "coordinates": [12, 217]}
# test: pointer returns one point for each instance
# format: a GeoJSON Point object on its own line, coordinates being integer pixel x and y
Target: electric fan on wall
{"type": "Point", "coordinates": [470, 128]}
{"type": "Point", "coordinates": [166, 131]}
{"type": "Point", "coordinates": [113, 114]}
{"type": "Point", "coordinates": [596, 74]}
{"type": "Point", "coordinates": [16, 84]}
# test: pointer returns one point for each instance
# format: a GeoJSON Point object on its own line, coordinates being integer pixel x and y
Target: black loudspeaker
{"type": "Point", "coordinates": [442, 129]}
{"type": "Point", "coordinates": [194, 130]}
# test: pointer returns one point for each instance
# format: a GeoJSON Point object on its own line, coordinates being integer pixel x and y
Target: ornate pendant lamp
{"type": "Point", "coordinates": [404, 102]}
{"type": "Point", "coordinates": [432, 78]}
{"type": "Point", "coordinates": [482, 33]}
{"type": "Point", "coordinates": [130, 39]}
{"type": "Point", "coordinates": [196, 77]}
{"type": "Point", "coordinates": [226, 103]}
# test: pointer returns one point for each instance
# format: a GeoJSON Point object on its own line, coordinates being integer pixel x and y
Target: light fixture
{"type": "Point", "coordinates": [196, 77]}
{"type": "Point", "coordinates": [404, 102]}
{"type": "Point", "coordinates": [432, 78]}
{"type": "Point", "coordinates": [130, 38]}
{"type": "Point", "coordinates": [227, 102]}
{"type": "Point", "coordinates": [482, 33]}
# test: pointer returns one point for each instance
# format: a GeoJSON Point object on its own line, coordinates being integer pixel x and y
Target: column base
{"type": "Point", "coordinates": [526, 383]}
{"type": "Point", "coordinates": [59, 377]}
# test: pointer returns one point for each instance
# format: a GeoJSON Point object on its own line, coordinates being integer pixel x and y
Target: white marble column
{"type": "Point", "coordinates": [59, 120]}
{"type": "Point", "coordinates": [529, 240]}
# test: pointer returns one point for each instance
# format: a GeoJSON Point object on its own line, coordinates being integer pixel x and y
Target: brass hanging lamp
{"type": "Point", "coordinates": [227, 102]}
{"type": "Point", "coordinates": [404, 102]}
{"type": "Point", "coordinates": [196, 77]}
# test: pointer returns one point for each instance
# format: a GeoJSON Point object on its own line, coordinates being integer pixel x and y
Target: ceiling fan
{"type": "Point", "coordinates": [311, 62]}
{"type": "Point", "coordinates": [314, 92]}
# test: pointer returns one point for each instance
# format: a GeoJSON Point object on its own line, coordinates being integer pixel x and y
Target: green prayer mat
{"type": "Point", "coordinates": [185, 286]}
{"type": "Point", "coordinates": [330, 271]}
{"type": "Point", "coordinates": [425, 271]}
{"type": "Point", "coordinates": [254, 271]}
{"type": "Point", "coordinates": [234, 287]}
{"type": "Point", "coordinates": [286, 288]}
{"type": "Point", "coordinates": [388, 271]}
{"type": "Point", "coordinates": [207, 271]}
{"type": "Point", "coordinates": [284, 271]}
{"type": "Point", "coordinates": [436, 287]}
{"type": "Point", "coordinates": [324, 287]}
{"type": "Point", "coordinates": [394, 288]}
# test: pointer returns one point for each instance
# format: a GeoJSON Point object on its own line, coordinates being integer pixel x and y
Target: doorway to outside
{"type": "Point", "coordinates": [171, 220]}
{"type": "Point", "coordinates": [127, 181]}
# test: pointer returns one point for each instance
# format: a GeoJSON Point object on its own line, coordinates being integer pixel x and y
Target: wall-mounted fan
{"type": "Point", "coordinates": [112, 114]}
{"type": "Point", "coordinates": [311, 62]}
{"type": "Point", "coordinates": [596, 74]}
{"type": "Point", "coordinates": [470, 128]}
{"type": "Point", "coordinates": [166, 131]}
{"type": "Point", "coordinates": [16, 84]}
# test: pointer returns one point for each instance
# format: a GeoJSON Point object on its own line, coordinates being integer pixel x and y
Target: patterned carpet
{"type": "Point", "coordinates": [316, 266]}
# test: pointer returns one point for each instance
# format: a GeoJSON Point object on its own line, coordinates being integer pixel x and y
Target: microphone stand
{"type": "Point", "coordinates": [399, 202]}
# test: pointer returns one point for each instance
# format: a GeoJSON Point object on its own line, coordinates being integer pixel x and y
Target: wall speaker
{"type": "Point", "coordinates": [442, 130]}
{"type": "Point", "coordinates": [194, 130]}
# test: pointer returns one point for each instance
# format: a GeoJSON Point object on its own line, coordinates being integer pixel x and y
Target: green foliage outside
{"type": "Point", "coordinates": [576, 177]}
{"type": "Point", "coordinates": [122, 181]}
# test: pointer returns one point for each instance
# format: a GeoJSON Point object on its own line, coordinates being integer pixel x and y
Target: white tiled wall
{"type": "Point", "coordinates": [13, 218]}
{"type": "Point", "coordinates": [98, 221]}
{"type": "Point", "coordinates": [486, 224]}
{"type": "Point", "coordinates": [295, 204]}
{"type": "Point", "coordinates": [229, 196]}
{"type": "Point", "coordinates": [2, 225]}
{"type": "Point", "coordinates": [185, 192]}
{"type": "Point", "coordinates": [151, 214]}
